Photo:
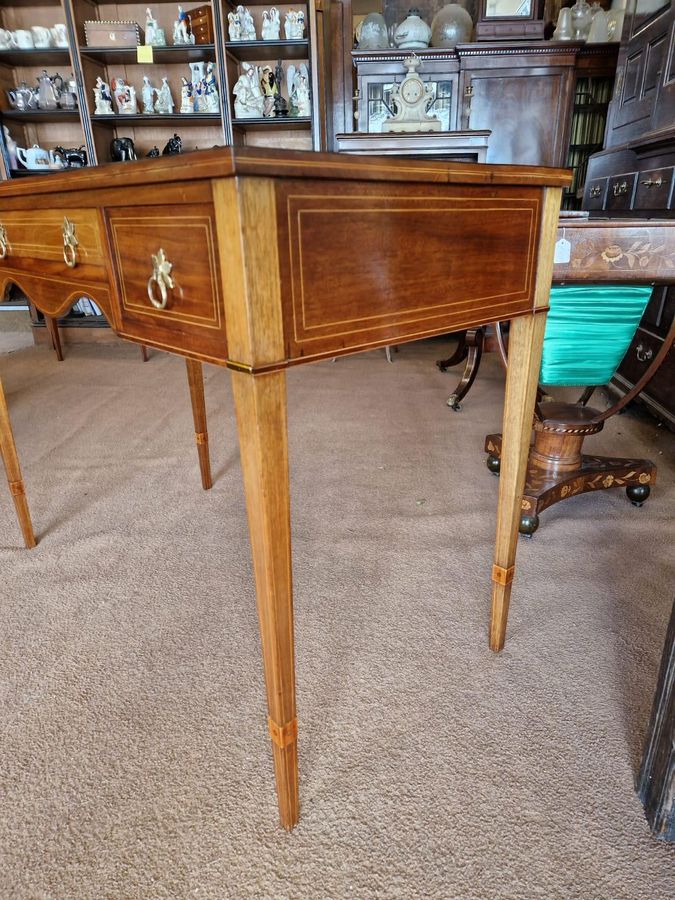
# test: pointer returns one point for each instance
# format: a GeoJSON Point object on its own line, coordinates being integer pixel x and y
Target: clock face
{"type": "Point", "coordinates": [411, 91]}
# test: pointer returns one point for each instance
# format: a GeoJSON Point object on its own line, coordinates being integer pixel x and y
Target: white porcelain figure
{"type": "Point", "coordinates": [249, 100]}
{"type": "Point", "coordinates": [234, 26]}
{"type": "Point", "coordinates": [59, 35]}
{"type": "Point", "coordinates": [150, 28]}
{"type": "Point", "coordinates": [187, 105]}
{"type": "Point", "coordinates": [372, 34]}
{"type": "Point", "coordinates": [10, 143]}
{"type": "Point", "coordinates": [271, 25]}
{"type": "Point", "coordinates": [211, 103]}
{"type": "Point", "coordinates": [599, 30]}
{"type": "Point", "coordinates": [182, 32]}
{"type": "Point", "coordinates": [125, 97]}
{"type": "Point", "coordinates": [294, 25]}
{"type": "Point", "coordinates": [247, 24]}
{"type": "Point", "coordinates": [148, 93]}
{"type": "Point", "coordinates": [164, 105]}
{"type": "Point", "coordinates": [413, 33]}
{"type": "Point", "coordinates": [102, 98]}
{"type": "Point", "coordinates": [297, 83]}
{"type": "Point", "coordinates": [563, 29]}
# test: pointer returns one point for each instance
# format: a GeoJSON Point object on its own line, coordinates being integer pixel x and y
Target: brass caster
{"type": "Point", "coordinates": [494, 464]}
{"type": "Point", "coordinates": [528, 525]}
{"type": "Point", "coordinates": [638, 493]}
{"type": "Point", "coordinates": [453, 403]}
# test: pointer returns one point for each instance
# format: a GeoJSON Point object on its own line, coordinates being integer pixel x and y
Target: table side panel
{"type": "Point", "coordinates": [364, 265]}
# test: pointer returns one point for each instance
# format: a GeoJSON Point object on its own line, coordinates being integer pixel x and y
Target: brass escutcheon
{"type": "Point", "coordinates": [161, 276]}
{"type": "Point", "coordinates": [70, 243]}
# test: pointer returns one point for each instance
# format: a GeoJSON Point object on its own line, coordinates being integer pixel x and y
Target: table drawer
{"type": "Point", "coordinates": [595, 193]}
{"type": "Point", "coordinates": [41, 235]}
{"type": "Point", "coordinates": [654, 189]}
{"type": "Point", "coordinates": [168, 255]}
{"type": "Point", "coordinates": [620, 191]}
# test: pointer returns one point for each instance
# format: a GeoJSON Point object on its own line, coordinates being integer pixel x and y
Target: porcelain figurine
{"type": "Point", "coordinates": [154, 153]}
{"type": "Point", "coordinates": [249, 100]}
{"type": "Point", "coordinates": [371, 33]}
{"type": "Point", "coordinates": [173, 146]}
{"type": "Point", "coordinates": [182, 28]}
{"type": "Point", "coordinates": [563, 29]}
{"type": "Point", "coordinates": [211, 101]}
{"type": "Point", "coordinates": [59, 34]}
{"type": "Point", "coordinates": [297, 83]}
{"type": "Point", "coordinates": [73, 157]}
{"type": "Point", "coordinates": [187, 103]}
{"type": "Point", "coordinates": [150, 28]}
{"type": "Point", "coordinates": [271, 25]}
{"type": "Point", "coordinates": [234, 26]}
{"type": "Point", "coordinates": [148, 93]}
{"type": "Point", "coordinates": [581, 19]}
{"type": "Point", "coordinates": [49, 90]}
{"type": "Point", "coordinates": [413, 33]}
{"type": "Point", "coordinates": [247, 24]}
{"type": "Point", "coordinates": [10, 144]}
{"type": "Point", "coordinates": [294, 25]}
{"type": "Point", "coordinates": [125, 97]}
{"type": "Point", "coordinates": [102, 98]}
{"type": "Point", "coordinates": [164, 105]}
{"type": "Point", "coordinates": [280, 105]}
{"type": "Point", "coordinates": [269, 89]}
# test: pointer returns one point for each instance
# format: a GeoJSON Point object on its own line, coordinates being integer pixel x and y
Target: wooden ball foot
{"type": "Point", "coordinates": [494, 464]}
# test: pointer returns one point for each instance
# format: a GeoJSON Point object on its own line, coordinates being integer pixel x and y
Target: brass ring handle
{"type": "Point", "coordinates": [642, 354]}
{"type": "Point", "coordinates": [3, 242]}
{"type": "Point", "coordinates": [620, 189]}
{"type": "Point", "coordinates": [161, 277]}
{"type": "Point", "coordinates": [595, 191]}
{"type": "Point", "coordinates": [70, 243]}
{"type": "Point", "coordinates": [653, 183]}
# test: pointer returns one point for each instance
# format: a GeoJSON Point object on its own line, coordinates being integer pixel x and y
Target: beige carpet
{"type": "Point", "coordinates": [134, 761]}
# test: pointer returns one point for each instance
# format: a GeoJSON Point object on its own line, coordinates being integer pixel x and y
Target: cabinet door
{"type": "Point", "coordinates": [664, 113]}
{"type": "Point", "coordinates": [527, 111]}
{"type": "Point", "coordinates": [639, 73]}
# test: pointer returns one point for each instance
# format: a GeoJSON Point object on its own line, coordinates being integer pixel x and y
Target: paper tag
{"type": "Point", "coordinates": [563, 251]}
{"type": "Point", "coordinates": [144, 54]}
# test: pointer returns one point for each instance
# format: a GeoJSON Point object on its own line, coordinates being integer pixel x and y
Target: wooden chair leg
{"type": "Point", "coordinates": [53, 329]}
{"type": "Point", "coordinates": [144, 353]}
{"type": "Point", "coordinates": [196, 384]}
{"type": "Point", "coordinates": [474, 344]}
{"type": "Point", "coordinates": [457, 357]}
{"type": "Point", "coordinates": [11, 461]}
{"type": "Point", "coordinates": [526, 341]}
{"type": "Point", "coordinates": [260, 402]}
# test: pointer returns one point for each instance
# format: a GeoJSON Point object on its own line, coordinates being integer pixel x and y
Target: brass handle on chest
{"type": "Point", "coordinates": [70, 243]}
{"type": "Point", "coordinates": [620, 189]}
{"type": "Point", "coordinates": [161, 278]}
{"type": "Point", "coordinates": [595, 191]}
{"type": "Point", "coordinates": [653, 183]}
{"type": "Point", "coordinates": [642, 354]}
{"type": "Point", "coordinates": [3, 242]}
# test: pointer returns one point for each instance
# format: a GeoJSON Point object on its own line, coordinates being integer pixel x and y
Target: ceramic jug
{"type": "Point", "coordinates": [22, 39]}
{"type": "Point", "coordinates": [5, 39]}
{"type": "Point", "coordinates": [59, 36]}
{"type": "Point", "coordinates": [41, 36]}
{"type": "Point", "coordinates": [49, 90]}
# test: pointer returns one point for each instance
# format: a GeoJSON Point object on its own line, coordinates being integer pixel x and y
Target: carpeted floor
{"type": "Point", "coordinates": [134, 761]}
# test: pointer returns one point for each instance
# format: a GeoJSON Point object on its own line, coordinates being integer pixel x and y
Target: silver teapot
{"type": "Point", "coordinates": [68, 98]}
{"type": "Point", "coordinates": [22, 97]}
{"type": "Point", "coordinates": [49, 90]}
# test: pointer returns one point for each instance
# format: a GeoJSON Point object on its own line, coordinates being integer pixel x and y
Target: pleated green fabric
{"type": "Point", "coordinates": [588, 331]}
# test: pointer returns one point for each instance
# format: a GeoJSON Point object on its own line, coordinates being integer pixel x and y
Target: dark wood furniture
{"type": "Point", "coordinates": [600, 252]}
{"type": "Point", "coordinates": [634, 178]}
{"type": "Point", "coordinates": [10, 459]}
{"type": "Point", "coordinates": [462, 146]}
{"type": "Point", "coordinates": [298, 257]}
{"type": "Point", "coordinates": [657, 772]}
{"type": "Point", "coordinates": [497, 22]}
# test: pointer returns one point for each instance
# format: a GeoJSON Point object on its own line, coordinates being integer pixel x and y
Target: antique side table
{"type": "Point", "coordinates": [259, 260]}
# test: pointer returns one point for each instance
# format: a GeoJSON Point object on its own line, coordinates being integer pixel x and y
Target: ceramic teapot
{"type": "Point", "coordinates": [22, 97]}
{"type": "Point", "coordinates": [49, 90]}
{"type": "Point", "coordinates": [38, 159]}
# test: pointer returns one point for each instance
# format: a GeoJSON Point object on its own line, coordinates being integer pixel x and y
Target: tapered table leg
{"type": "Point", "coordinates": [260, 402]}
{"type": "Point", "coordinates": [196, 383]}
{"type": "Point", "coordinates": [53, 329]}
{"type": "Point", "coordinates": [525, 344]}
{"type": "Point", "coordinates": [11, 460]}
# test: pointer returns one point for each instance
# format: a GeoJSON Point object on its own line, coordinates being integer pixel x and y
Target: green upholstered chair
{"type": "Point", "coordinates": [588, 331]}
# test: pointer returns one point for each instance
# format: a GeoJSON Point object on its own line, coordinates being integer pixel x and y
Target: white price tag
{"type": "Point", "coordinates": [563, 251]}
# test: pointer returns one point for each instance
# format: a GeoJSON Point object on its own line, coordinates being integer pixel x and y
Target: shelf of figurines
{"type": "Point", "coordinates": [129, 55]}
{"type": "Point", "coordinates": [41, 115]}
{"type": "Point", "coordinates": [155, 119]}
{"type": "Point", "coordinates": [264, 50]}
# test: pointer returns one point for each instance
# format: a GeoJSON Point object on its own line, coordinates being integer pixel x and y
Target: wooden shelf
{"type": "Point", "coordinates": [289, 123]}
{"type": "Point", "coordinates": [263, 50]}
{"type": "Point", "coordinates": [41, 115]}
{"type": "Point", "coordinates": [129, 56]}
{"type": "Point", "coordinates": [156, 119]}
{"type": "Point", "coordinates": [50, 56]}
{"type": "Point", "coordinates": [26, 173]}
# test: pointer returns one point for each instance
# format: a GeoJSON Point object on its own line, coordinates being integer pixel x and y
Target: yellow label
{"type": "Point", "coordinates": [144, 54]}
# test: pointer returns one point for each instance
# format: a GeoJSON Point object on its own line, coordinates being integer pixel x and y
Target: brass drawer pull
{"type": "Point", "coordinates": [642, 354]}
{"type": "Point", "coordinates": [70, 243]}
{"type": "Point", "coordinates": [620, 189]}
{"type": "Point", "coordinates": [3, 242]}
{"type": "Point", "coordinates": [653, 183]}
{"type": "Point", "coordinates": [161, 276]}
{"type": "Point", "coordinates": [595, 191]}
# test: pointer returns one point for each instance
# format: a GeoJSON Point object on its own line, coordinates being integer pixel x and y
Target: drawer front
{"type": "Point", "coordinates": [637, 360]}
{"type": "Point", "coordinates": [39, 235]}
{"type": "Point", "coordinates": [181, 243]}
{"type": "Point", "coordinates": [654, 189]}
{"type": "Point", "coordinates": [595, 193]}
{"type": "Point", "coordinates": [620, 191]}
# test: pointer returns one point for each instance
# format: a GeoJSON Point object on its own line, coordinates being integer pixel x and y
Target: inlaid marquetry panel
{"type": "Point", "coordinates": [437, 259]}
{"type": "Point", "coordinates": [193, 318]}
